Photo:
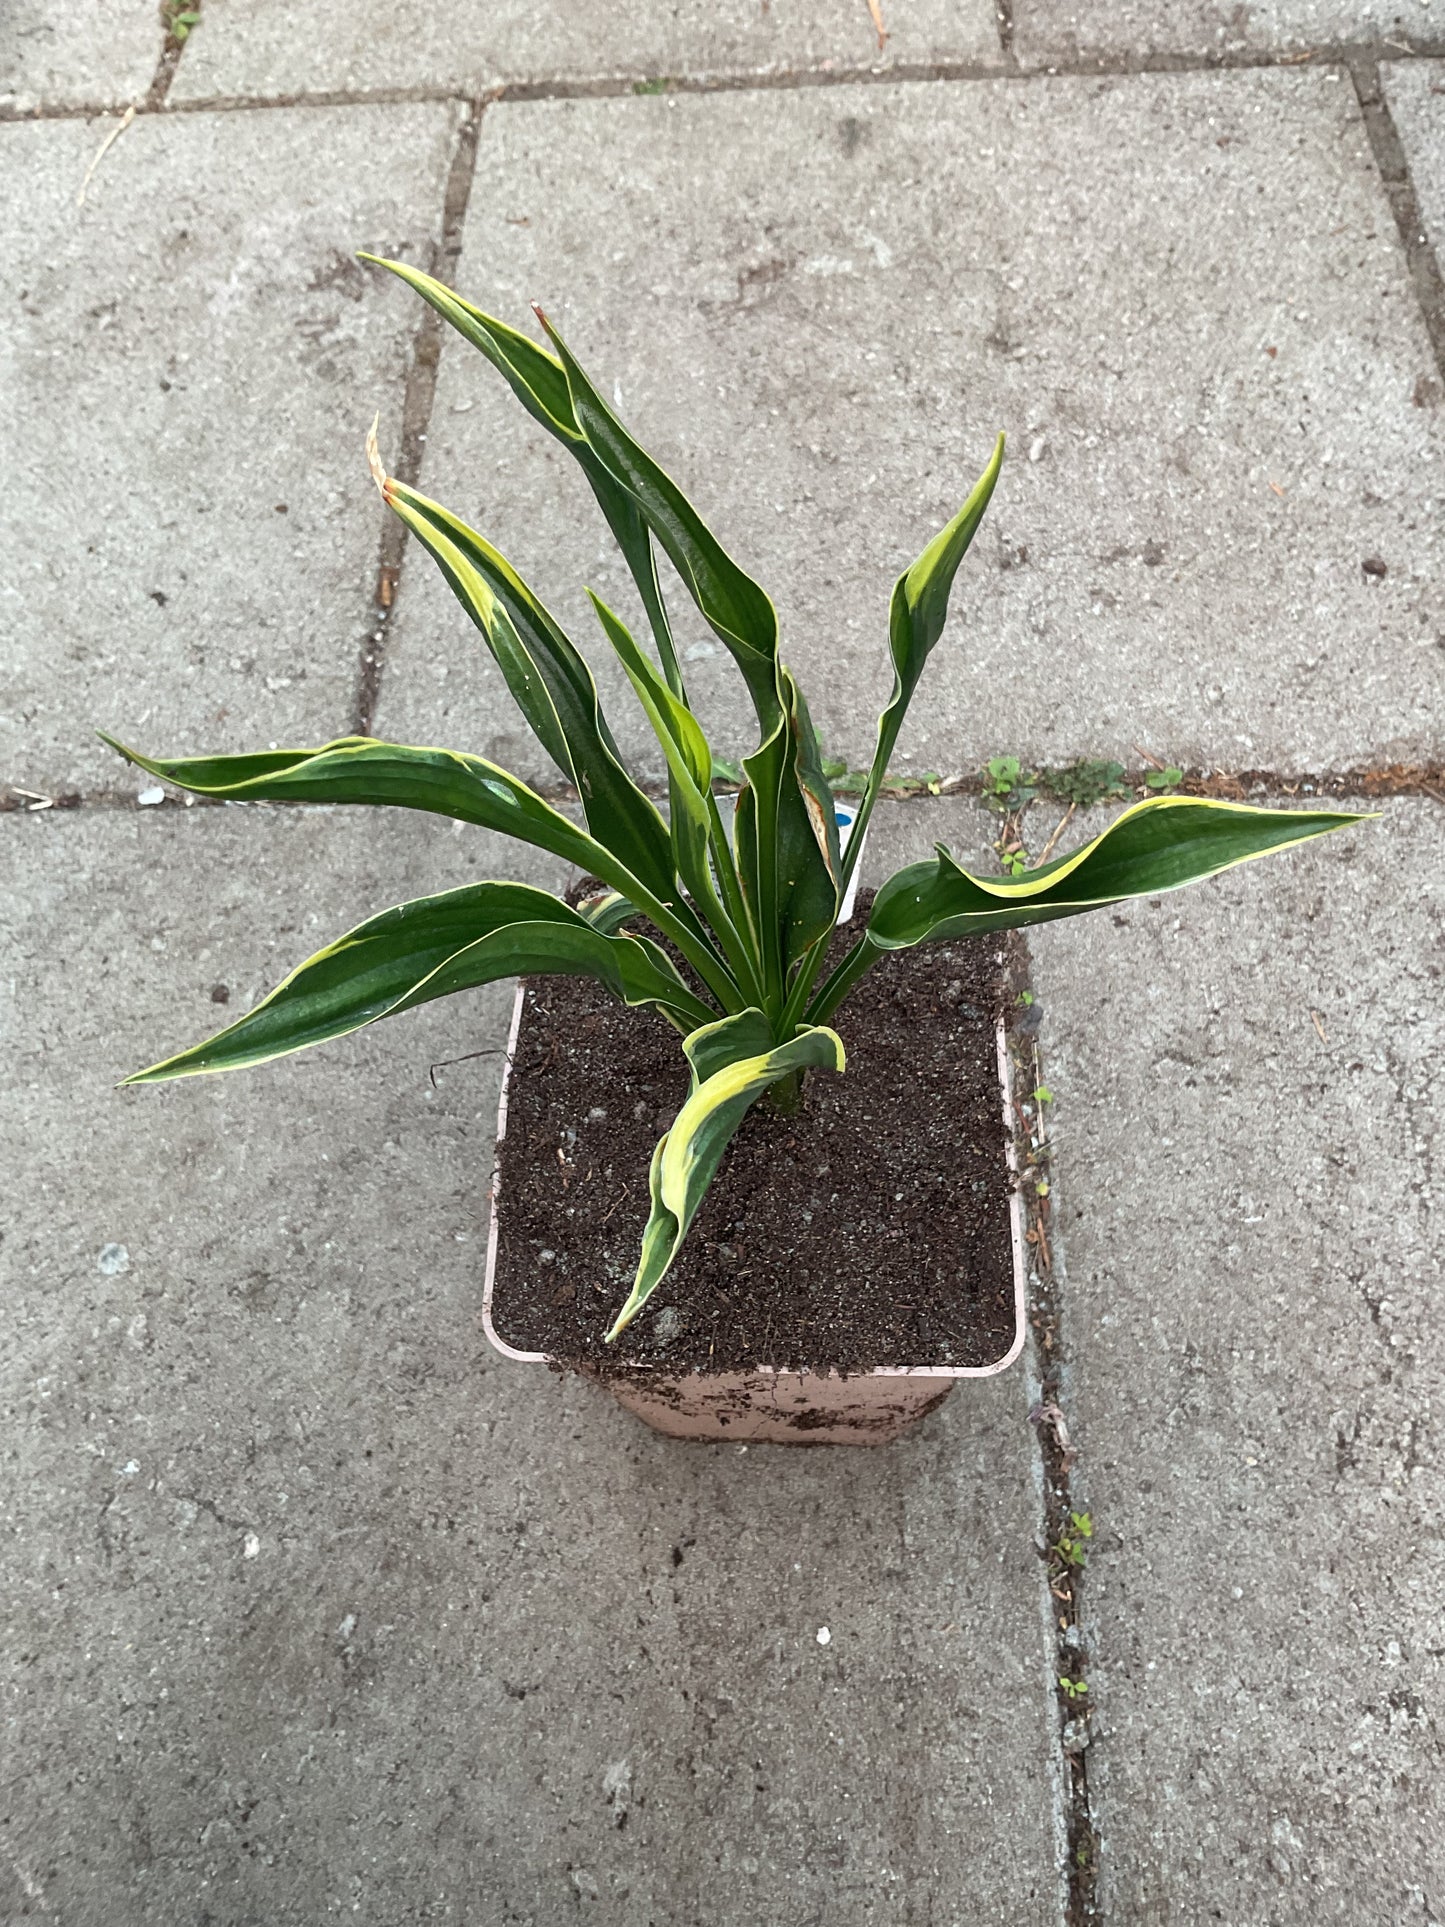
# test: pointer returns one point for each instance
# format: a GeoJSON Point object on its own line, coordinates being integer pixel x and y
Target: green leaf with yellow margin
{"type": "Point", "coordinates": [692, 811]}
{"type": "Point", "coordinates": [736, 609]}
{"type": "Point", "coordinates": [355, 769]}
{"type": "Point", "coordinates": [547, 675]}
{"type": "Point", "coordinates": [430, 948]}
{"type": "Point", "coordinates": [788, 861]}
{"type": "Point", "coordinates": [1160, 844]}
{"type": "Point", "coordinates": [916, 617]}
{"type": "Point", "coordinates": [538, 381]}
{"type": "Point", "coordinates": [724, 1086]}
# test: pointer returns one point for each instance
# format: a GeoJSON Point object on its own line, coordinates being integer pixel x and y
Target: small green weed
{"type": "Point", "coordinates": [1084, 783]}
{"type": "Point", "coordinates": [177, 18]}
{"type": "Point", "coordinates": [1005, 787]}
{"type": "Point", "coordinates": [1071, 1541]}
{"type": "Point", "coordinates": [1074, 1689]}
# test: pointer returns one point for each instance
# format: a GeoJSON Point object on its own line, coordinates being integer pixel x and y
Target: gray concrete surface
{"type": "Point", "coordinates": [1214, 29]}
{"type": "Point", "coordinates": [1247, 1083]}
{"type": "Point", "coordinates": [250, 46]}
{"type": "Point", "coordinates": [1416, 94]}
{"type": "Point", "coordinates": [317, 1608]}
{"type": "Point", "coordinates": [182, 355]}
{"type": "Point", "coordinates": [818, 308]}
{"type": "Point", "coordinates": [96, 52]}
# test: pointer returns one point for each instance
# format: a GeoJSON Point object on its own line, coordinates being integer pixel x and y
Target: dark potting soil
{"type": "Point", "coordinates": [871, 1228]}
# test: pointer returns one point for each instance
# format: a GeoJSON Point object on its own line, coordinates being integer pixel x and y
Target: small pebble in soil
{"type": "Point", "coordinates": [825, 1638]}
{"type": "Point", "coordinates": [149, 798]}
{"type": "Point", "coordinates": [113, 1260]}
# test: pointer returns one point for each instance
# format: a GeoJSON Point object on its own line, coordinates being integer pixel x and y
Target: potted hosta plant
{"type": "Point", "coordinates": [855, 1240]}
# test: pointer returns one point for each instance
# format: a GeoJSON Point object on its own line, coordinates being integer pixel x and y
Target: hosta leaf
{"type": "Point", "coordinates": [678, 731]}
{"type": "Point", "coordinates": [687, 1157]}
{"type": "Point", "coordinates": [699, 844]}
{"type": "Point", "coordinates": [689, 765]}
{"type": "Point", "coordinates": [538, 381]}
{"type": "Point", "coordinates": [1160, 844]}
{"type": "Point", "coordinates": [607, 913]}
{"type": "Point", "coordinates": [815, 793]}
{"type": "Point", "coordinates": [550, 680]}
{"type": "Point", "coordinates": [916, 615]}
{"type": "Point", "coordinates": [536, 378]}
{"type": "Point", "coordinates": [736, 609]}
{"type": "Point", "coordinates": [357, 769]}
{"type": "Point", "coordinates": [782, 840]}
{"type": "Point", "coordinates": [920, 596]}
{"type": "Point", "coordinates": [426, 949]}
{"type": "Point", "coordinates": [726, 1040]}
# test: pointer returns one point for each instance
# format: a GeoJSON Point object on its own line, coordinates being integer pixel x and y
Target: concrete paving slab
{"type": "Point", "coordinates": [321, 1608]}
{"type": "Point", "coordinates": [249, 47]}
{"type": "Point", "coordinates": [1247, 1083]}
{"type": "Point", "coordinates": [817, 309]}
{"type": "Point", "coordinates": [1071, 30]}
{"type": "Point", "coordinates": [101, 52]}
{"type": "Point", "coordinates": [190, 541]}
{"type": "Point", "coordinates": [1415, 94]}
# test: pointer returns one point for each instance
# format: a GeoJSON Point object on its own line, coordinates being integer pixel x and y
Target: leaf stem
{"type": "Point", "coordinates": [673, 922]}
{"type": "Point", "coordinates": [807, 971]}
{"type": "Point", "coordinates": [725, 863]}
{"type": "Point", "coordinates": [861, 957]}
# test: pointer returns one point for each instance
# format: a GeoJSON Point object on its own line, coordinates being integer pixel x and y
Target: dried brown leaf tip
{"type": "Point", "coordinates": [374, 461]}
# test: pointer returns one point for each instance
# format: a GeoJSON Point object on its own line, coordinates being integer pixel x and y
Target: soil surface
{"type": "Point", "coordinates": [871, 1228]}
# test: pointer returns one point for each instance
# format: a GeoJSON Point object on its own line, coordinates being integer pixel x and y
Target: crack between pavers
{"type": "Point", "coordinates": [902, 73]}
{"type": "Point", "coordinates": [1394, 169]}
{"type": "Point", "coordinates": [418, 398]}
{"type": "Point", "coordinates": [173, 45]}
{"type": "Point", "coordinates": [1425, 780]}
{"type": "Point", "coordinates": [1068, 1658]}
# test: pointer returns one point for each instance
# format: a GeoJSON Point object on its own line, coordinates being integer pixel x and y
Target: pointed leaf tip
{"type": "Point", "coordinates": [112, 742]}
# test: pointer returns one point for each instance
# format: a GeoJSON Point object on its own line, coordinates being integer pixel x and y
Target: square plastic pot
{"type": "Point", "coordinates": [771, 1405]}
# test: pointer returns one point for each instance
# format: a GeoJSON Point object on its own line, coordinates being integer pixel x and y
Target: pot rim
{"type": "Point", "coordinates": [1016, 1228]}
